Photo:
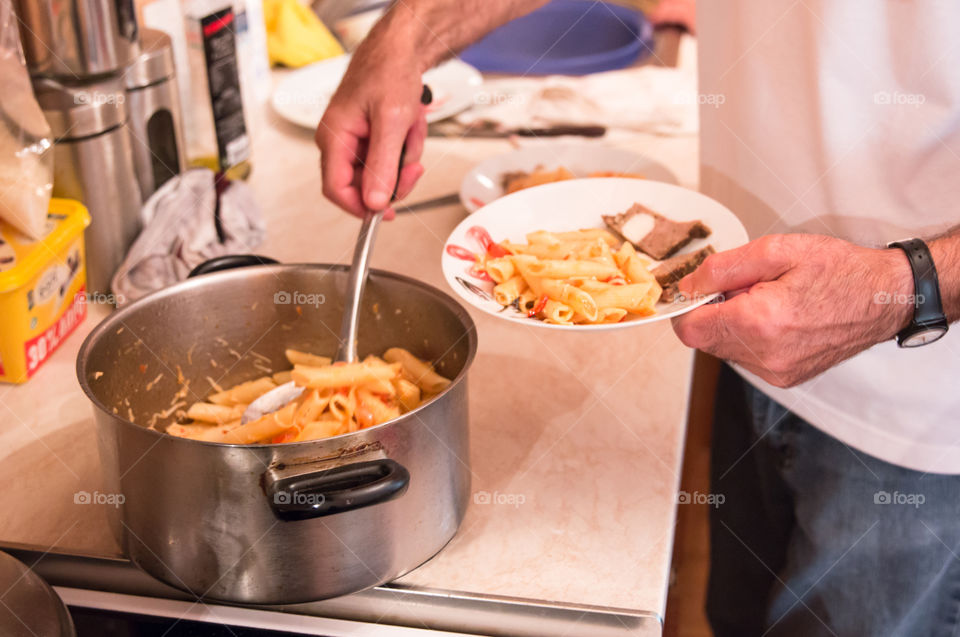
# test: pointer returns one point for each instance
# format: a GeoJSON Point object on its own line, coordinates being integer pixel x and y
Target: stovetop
{"type": "Point", "coordinates": [110, 597]}
{"type": "Point", "coordinates": [94, 622]}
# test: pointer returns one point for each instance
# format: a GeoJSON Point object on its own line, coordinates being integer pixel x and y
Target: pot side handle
{"type": "Point", "coordinates": [338, 490]}
{"type": "Point", "coordinates": [228, 262]}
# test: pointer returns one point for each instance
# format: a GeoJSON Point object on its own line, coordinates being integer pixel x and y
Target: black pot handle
{"type": "Point", "coordinates": [337, 490]}
{"type": "Point", "coordinates": [228, 262]}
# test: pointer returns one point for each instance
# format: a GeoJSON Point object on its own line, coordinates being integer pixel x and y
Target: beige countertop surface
{"type": "Point", "coordinates": [576, 439]}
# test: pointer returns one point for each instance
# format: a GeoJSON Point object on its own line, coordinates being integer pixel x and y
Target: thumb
{"type": "Point", "coordinates": [762, 260]}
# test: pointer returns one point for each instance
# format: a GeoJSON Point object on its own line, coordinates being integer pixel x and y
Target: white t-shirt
{"type": "Point", "coordinates": [842, 117]}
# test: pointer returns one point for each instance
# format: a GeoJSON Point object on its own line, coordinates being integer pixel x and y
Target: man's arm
{"type": "Point", "coordinates": [799, 304]}
{"type": "Point", "coordinates": [376, 108]}
{"type": "Point", "coordinates": [946, 257]}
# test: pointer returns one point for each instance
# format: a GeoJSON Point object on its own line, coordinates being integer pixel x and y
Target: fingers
{"type": "Point", "coordinates": [389, 127]}
{"type": "Point", "coordinates": [339, 168]}
{"type": "Point", "coordinates": [705, 328]}
{"type": "Point", "coordinates": [408, 179]}
{"type": "Point", "coordinates": [762, 260]}
{"type": "Point", "coordinates": [416, 137]}
{"type": "Point", "coordinates": [746, 330]}
{"type": "Point", "coordinates": [360, 153]}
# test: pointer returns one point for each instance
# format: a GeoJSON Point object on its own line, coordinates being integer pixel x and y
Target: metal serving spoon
{"type": "Point", "coordinates": [280, 396]}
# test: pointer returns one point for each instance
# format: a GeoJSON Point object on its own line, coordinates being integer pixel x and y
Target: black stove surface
{"type": "Point", "coordinates": [94, 622]}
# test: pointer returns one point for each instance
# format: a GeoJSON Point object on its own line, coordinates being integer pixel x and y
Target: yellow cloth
{"type": "Point", "coordinates": [295, 35]}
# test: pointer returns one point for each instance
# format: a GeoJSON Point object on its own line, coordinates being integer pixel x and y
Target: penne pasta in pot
{"type": "Point", "coordinates": [338, 398]}
{"type": "Point", "coordinates": [417, 371]}
{"type": "Point", "coordinates": [334, 376]}
{"type": "Point", "coordinates": [244, 393]}
{"type": "Point", "coordinates": [213, 413]}
{"type": "Point", "coordinates": [303, 358]}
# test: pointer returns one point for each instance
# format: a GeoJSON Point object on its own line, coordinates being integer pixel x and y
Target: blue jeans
{"type": "Point", "coordinates": [813, 538]}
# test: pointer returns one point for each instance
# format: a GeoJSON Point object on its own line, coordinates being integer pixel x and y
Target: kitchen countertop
{"type": "Point", "coordinates": [576, 439]}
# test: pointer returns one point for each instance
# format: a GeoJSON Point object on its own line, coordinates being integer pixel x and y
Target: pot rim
{"type": "Point", "coordinates": [117, 316]}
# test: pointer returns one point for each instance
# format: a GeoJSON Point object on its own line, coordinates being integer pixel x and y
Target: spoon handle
{"type": "Point", "coordinates": [347, 352]}
{"type": "Point", "coordinates": [349, 327]}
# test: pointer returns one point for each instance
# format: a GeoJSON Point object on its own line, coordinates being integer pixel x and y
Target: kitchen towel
{"type": "Point", "coordinates": [186, 222]}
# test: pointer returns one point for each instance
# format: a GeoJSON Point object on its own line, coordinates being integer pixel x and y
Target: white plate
{"type": "Point", "coordinates": [575, 204]}
{"type": "Point", "coordinates": [301, 97]}
{"type": "Point", "coordinates": [483, 184]}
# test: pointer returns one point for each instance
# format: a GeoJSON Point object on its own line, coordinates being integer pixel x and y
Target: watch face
{"type": "Point", "coordinates": [923, 337]}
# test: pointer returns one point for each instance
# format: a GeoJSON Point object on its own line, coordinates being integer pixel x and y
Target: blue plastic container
{"type": "Point", "coordinates": [567, 37]}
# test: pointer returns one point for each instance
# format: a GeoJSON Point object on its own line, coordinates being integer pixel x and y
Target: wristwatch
{"type": "Point", "coordinates": [929, 323]}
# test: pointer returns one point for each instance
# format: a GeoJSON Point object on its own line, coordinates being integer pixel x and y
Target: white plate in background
{"type": "Point", "coordinates": [483, 184]}
{"type": "Point", "coordinates": [576, 204]}
{"type": "Point", "coordinates": [302, 95]}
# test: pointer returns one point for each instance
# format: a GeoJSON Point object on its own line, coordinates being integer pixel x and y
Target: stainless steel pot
{"type": "Point", "coordinates": [277, 523]}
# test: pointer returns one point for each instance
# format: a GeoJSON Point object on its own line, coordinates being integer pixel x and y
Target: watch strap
{"type": "Point", "coordinates": [928, 307]}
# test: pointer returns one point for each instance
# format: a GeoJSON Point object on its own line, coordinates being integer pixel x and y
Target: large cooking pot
{"type": "Point", "coordinates": [280, 523]}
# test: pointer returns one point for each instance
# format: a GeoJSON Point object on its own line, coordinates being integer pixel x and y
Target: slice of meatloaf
{"type": "Point", "coordinates": [653, 233]}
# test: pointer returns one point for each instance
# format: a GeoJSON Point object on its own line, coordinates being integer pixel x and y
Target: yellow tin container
{"type": "Point", "coordinates": [42, 289]}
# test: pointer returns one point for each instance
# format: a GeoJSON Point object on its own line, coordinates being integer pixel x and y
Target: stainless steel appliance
{"type": "Point", "coordinates": [77, 39]}
{"type": "Point", "coordinates": [113, 105]}
{"type": "Point", "coordinates": [93, 163]}
{"type": "Point", "coordinates": [243, 523]}
{"type": "Point", "coordinates": [153, 107]}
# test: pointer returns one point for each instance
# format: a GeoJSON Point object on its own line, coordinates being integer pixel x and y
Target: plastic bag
{"type": "Point", "coordinates": [26, 147]}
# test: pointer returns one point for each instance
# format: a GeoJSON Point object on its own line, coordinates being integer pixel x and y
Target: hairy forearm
{"type": "Point", "coordinates": [426, 32]}
{"type": "Point", "coordinates": [946, 257]}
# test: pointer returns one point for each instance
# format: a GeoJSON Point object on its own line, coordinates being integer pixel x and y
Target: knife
{"type": "Point", "coordinates": [490, 130]}
{"type": "Point", "coordinates": [437, 202]}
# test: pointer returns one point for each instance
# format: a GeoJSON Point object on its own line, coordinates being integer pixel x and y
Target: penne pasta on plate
{"type": "Point", "coordinates": [572, 277]}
